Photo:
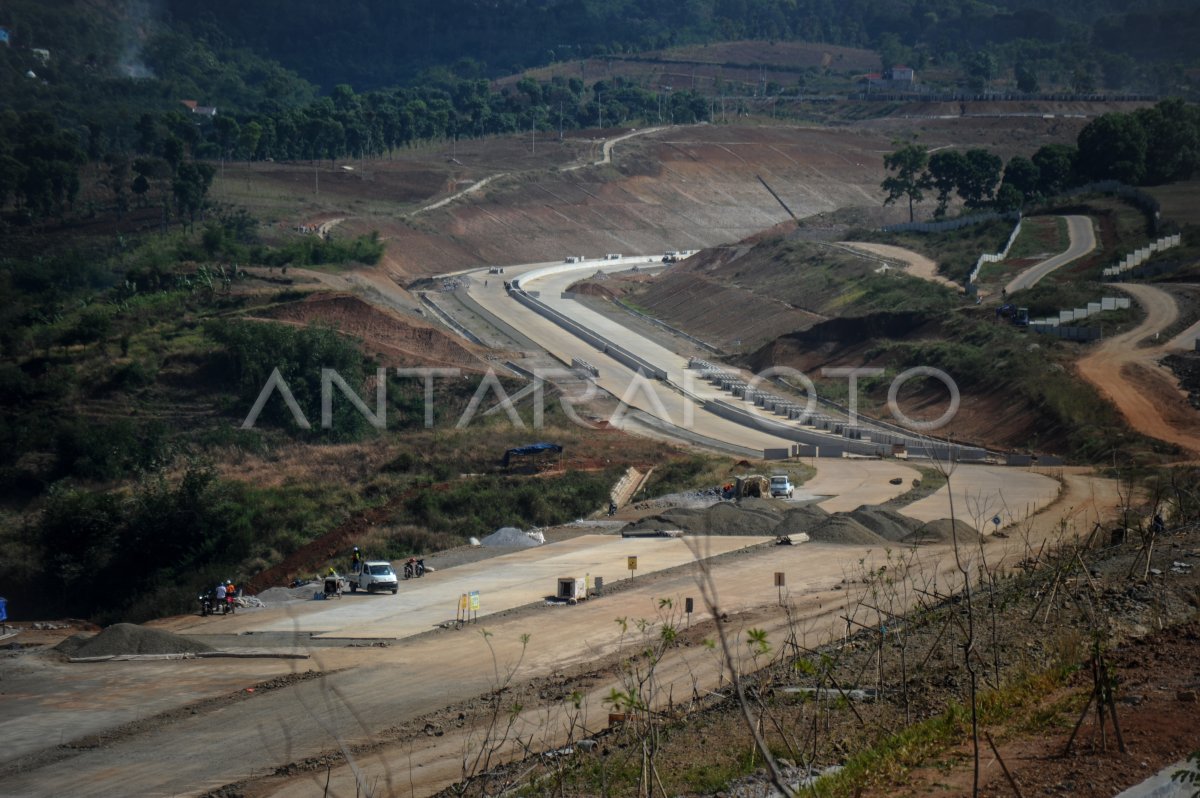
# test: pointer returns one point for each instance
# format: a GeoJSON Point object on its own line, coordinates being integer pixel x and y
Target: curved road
{"type": "Point", "coordinates": [1147, 395]}
{"type": "Point", "coordinates": [1082, 238]}
{"type": "Point", "coordinates": [1012, 493]}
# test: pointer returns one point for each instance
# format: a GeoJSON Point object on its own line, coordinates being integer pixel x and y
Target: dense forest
{"type": "Point", "coordinates": [375, 42]}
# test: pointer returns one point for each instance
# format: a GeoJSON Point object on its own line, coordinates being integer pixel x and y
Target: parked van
{"type": "Point", "coordinates": [781, 486]}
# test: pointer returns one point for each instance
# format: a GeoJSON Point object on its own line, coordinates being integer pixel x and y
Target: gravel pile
{"type": "Point", "coordinates": [865, 526]}
{"type": "Point", "coordinates": [940, 532]}
{"type": "Point", "coordinates": [801, 519]}
{"type": "Point", "coordinates": [510, 536]}
{"type": "Point", "coordinates": [841, 528]}
{"type": "Point", "coordinates": [745, 518]}
{"type": "Point", "coordinates": [885, 522]}
{"type": "Point", "coordinates": [691, 498]}
{"type": "Point", "coordinates": [128, 638]}
{"type": "Point", "coordinates": [282, 595]}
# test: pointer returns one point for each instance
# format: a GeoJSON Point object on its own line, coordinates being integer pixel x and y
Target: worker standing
{"type": "Point", "coordinates": [355, 561]}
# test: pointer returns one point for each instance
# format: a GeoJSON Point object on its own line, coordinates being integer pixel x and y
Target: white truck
{"type": "Point", "coordinates": [781, 486]}
{"type": "Point", "coordinates": [374, 575]}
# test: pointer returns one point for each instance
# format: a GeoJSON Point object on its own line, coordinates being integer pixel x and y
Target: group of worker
{"type": "Point", "coordinates": [222, 597]}
{"type": "Point", "coordinates": [356, 562]}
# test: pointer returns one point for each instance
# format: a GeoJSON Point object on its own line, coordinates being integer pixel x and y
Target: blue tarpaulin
{"type": "Point", "coordinates": [533, 448]}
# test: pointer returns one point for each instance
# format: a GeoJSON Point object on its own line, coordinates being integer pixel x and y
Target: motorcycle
{"type": "Point", "coordinates": [210, 605]}
{"type": "Point", "coordinates": [414, 568]}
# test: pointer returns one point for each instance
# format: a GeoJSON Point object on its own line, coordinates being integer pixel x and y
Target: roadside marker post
{"type": "Point", "coordinates": [688, 606]}
{"type": "Point", "coordinates": [468, 609]}
{"type": "Point", "coordinates": [780, 583]}
{"type": "Point", "coordinates": [632, 564]}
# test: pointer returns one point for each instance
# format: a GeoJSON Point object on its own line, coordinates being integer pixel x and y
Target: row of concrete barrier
{"type": "Point", "coordinates": [1140, 256]}
{"type": "Point", "coordinates": [1079, 314]}
{"type": "Point", "coordinates": [988, 257]}
{"type": "Point", "coordinates": [619, 353]}
{"type": "Point", "coordinates": [815, 431]}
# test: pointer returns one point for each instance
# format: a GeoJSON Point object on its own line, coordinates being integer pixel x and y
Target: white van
{"type": "Point", "coordinates": [781, 486]}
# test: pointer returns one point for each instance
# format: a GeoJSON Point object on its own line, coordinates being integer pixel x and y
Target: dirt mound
{"type": "Point", "coordinates": [747, 517]}
{"type": "Point", "coordinates": [592, 288]}
{"type": "Point", "coordinates": [398, 341]}
{"type": "Point", "coordinates": [801, 519]}
{"type": "Point", "coordinates": [885, 522]}
{"type": "Point", "coordinates": [128, 638]}
{"type": "Point", "coordinates": [742, 519]}
{"type": "Point", "coordinates": [843, 529]}
{"type": "Point", "coordinates": [941, 531]}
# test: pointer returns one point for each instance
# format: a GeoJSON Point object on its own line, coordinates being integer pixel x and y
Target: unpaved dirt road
{"type": "Point", "coordinates": [1147, 395]}
{"type": "Point", "coordinates": [916, 264]}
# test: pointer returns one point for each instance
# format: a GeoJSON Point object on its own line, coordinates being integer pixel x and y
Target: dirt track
{"type": "Point", "coordinates": [1147, 395]}
{"type": "Point", "coordinates": [916, 264]}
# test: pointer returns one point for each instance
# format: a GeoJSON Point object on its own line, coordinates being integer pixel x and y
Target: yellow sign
{"type": "Point", "coordinates": [462, 602]}
{"type": "Point", "coordinates": [474, 597]}
{"type": "Point", "coordinates": [632, 563]}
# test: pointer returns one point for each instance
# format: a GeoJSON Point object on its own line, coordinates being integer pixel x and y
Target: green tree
{"type": "Point", "coordinates": [1056, 168]}
{"type": "Point", "coordinates": [1027, 80]}
{"type": "Point", "coordinates": [248, 140]}
{"type": "Point", "coordinates": [981, 70]}
{"type": "Point", "coordinates": [190, 188]}
{"type": "Point", "coordinates": [947, 170]}
{"type": "Point", "coordinates": [1172, 140]}
{"type": "Point", "coordinates": [1113, 147]}
{"type": "Point", "coordinates": [227, 132]}
{"type": "Point", "coordinates": [1022, 175]}
{"type": "Point", "coordinates": [909, 180]}
{"type": "Point", "coordinates": [892, 51]}
{"type": "Point", "coordinates": [983, 174]}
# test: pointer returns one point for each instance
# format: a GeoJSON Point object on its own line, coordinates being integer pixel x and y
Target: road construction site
{"type": "Point", "coordinates": [392, 694]}
{"type": "Point", "coordinates": [382, 693]}
{"type": "Point", "coordinates": [166, 725]}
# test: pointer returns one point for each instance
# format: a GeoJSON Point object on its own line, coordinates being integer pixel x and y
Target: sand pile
{"type": "Point", "coordinates": [843, 529]}
{"type": "Point", "coordinates": [940, 532]}
{"type": "Point", "coordinates": [122, 639]}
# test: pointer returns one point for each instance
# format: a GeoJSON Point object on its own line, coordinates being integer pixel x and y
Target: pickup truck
{"type": "Point", "coordinates": [781, 486]}
{"type": "Point", "coordinates": [374, 575]}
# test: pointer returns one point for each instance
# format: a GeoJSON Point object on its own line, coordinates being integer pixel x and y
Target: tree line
{"type": "Point", "coordinates": [40, 161]}
{"type": "Point", "coordinates": [1149, 146]}
{"type": "Point", "coordinates": [376, 43]}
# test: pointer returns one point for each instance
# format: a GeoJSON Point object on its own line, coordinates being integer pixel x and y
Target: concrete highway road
{"type": "Point", "coordinates": [1010, 493]}
{"type": "Point", "coordinates": [504, 583]}
{"type": "Point", "coordinates": [1082, 241]}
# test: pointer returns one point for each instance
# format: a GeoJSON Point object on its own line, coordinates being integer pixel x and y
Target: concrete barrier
{"type": "Point", "coordinates": [618, 353]}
